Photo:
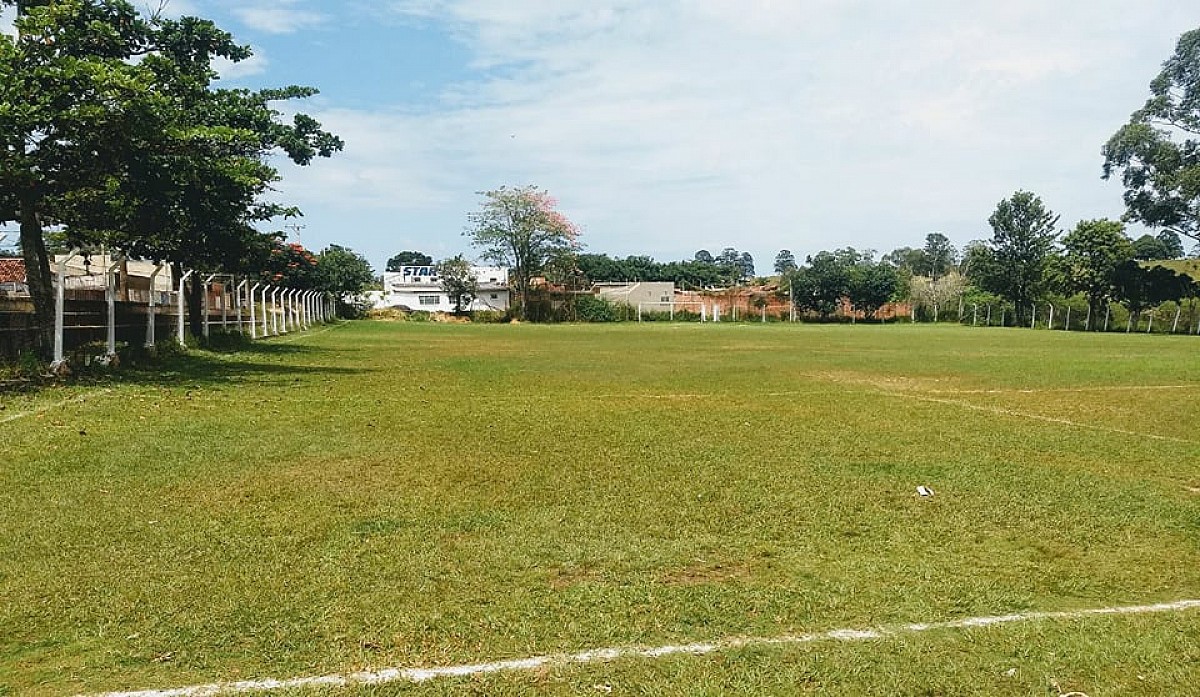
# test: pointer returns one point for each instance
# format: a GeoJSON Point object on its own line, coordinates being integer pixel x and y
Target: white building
{"type": "Point", "coordinates": [634, 294]}
{"type": "Point", "coordinates": [420, 288]}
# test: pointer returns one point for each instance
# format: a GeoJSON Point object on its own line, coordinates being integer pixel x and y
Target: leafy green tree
{"type": "Point", "coordinates": [704, 256]}
{"type": "Point", "coordinates": [1172, 245]}
{"type": "Point", "coordinates": [69, 95]}
{"type": "Point", "coordinates": [459, 282]}
{"type": "Point", "coordinates": [691, 274]}
{"type": "Point", "coordinates": [730, 263]}
{"type": "Point", "coordinates": [785, 262]}
{"type": "Point", "coordinates": [180, 168]}
{"type": "Point", "coordinates": [872, 285]}
{"type": "Point", "coordinates": [1013, 263]}
{"type": "Point", "coordinates": [938, 257]}
{"type": "Point", "coordinates": [1150, 248]}
{"type": "Point", "coordinates": [1157, 154]}
{"type": "Point", "coordinates": [746, 265]}
{"type": "Point", "coordinates": [1095, 249]}
{"type": "Point", "coordinates": [342, 271]}
{"type": "Point", "coordinates": [820, 285]}
{"type": "Point", "coordinates": [905, 258]}
{"type": "Point", "coordinates": [519, 227]}
{"type": "Point", "coordinates": [599, 268]}
{"type": "Point", "coordinates": [193, 193]}
{"type": "Point", "coordinates": [408, 259]}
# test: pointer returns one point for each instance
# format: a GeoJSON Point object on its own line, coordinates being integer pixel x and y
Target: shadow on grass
{"type": "Point", "coordinates": [239, 367]}
{"type": "Point", "coordinates": [258, 362]}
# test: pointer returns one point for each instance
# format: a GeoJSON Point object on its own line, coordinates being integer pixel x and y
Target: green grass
{"type": "Point", "coordinates": [1190, 267]}
{"type": "Point", "coordinates": [419, 494]}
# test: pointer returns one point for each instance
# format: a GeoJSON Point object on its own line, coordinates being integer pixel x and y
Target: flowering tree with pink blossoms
{"type": "Point", "coordinates": [519, 227]}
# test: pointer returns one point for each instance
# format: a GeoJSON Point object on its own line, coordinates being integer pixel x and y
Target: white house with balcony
{"type": "Point", "coordinates": [420, 288]}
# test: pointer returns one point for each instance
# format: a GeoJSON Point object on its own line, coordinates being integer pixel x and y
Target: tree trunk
{"type": "Point", "coordinates": [37, 273]}
{"type": "Point", "coordinates": [195, 303]}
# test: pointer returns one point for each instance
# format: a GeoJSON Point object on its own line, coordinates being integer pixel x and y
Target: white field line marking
{"type": "Point", "coordinates": [1046, 390]}
{"type": "Point", "coordinates": [1036, 417]}
{"type": "Point", "coordinates": [420, 675]}
{"type": "Point", "coordinates": [50, 407]}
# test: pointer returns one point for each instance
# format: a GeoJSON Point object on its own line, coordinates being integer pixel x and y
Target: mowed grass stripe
{"type": "Point", "coordinates": [430, 495]}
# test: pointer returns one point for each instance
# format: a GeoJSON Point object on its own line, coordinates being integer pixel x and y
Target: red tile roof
{"type": "Point", "coordinates": [12, 270]}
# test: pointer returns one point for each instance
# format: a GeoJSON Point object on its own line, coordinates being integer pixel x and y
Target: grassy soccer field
{"type": "Point", "coordinates": [412, 495]}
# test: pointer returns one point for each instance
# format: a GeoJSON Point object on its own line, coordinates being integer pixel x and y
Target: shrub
{"type": "Point", "coordinates": [593, 308]}
{"type": "Point", "coordinates": [489, 316]}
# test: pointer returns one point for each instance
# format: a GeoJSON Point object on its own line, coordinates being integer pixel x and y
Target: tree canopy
{"type": "Point", "coordinates": [113, 131]}
{"type": "Point", "coordinates": [407, 258]}
{"type": "Point", "coordinates": [1095, 249]}
{"type": "Point", "coordinates": [520, 227]}
{"type": "Point", "coordinates": [1013, 263]}
{"type": "Point", "coordinates": [1157, 153]}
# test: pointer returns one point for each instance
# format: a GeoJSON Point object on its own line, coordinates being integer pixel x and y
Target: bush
{"type": "Point", "coordinates": [26, 367]}
{"type": "Point", "coordinates": [593, 308]}
{"type": "Point", "coordinates": [489, 317]}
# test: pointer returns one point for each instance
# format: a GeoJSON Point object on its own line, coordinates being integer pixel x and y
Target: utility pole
{"type": "Point", "coordinates": [296, 228]}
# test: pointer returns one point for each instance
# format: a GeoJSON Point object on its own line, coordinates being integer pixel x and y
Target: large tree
{"type": "Point", "coordinates": [1157, 154]}
{"type": "Point", "coordinates": [938, 257]}
{"type": "Point", "coordinates": [408, 258]}
{"type": "Point", "coordinates": [872, 285]}
{"type": "Point", "coordinates": [70, 95]}
{"type": "Point", "coordinates": [1013, 263]}
{"type": "Point", "coordinates": [1150, 248]}
{"type": "Point", "coordinates": [785, 262]}
{"type": "Point", "coordinates": [342, 271]}
{"type": "Point", "coordinates": [183, 167]}
{"type": "Point", "coordinates": [1095, 249]}
{"type": "Point", "coordinates": [823, 281]}
{"type": "Point", "coordinates": [521, 228]}
{"type": "Point", "coordinates": [459, 282]}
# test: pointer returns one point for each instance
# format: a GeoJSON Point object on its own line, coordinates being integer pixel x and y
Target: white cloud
{"type": "Point", "coordinates": [170, 8]}
{"type": "Point", "coordinates": [8, 15]}
{"type": "Point", "coordinates": [277, 16]}
{"type": "Point", "coordinates": [256, 64]}
{"type": "Point", "coordinates": [668, 126]}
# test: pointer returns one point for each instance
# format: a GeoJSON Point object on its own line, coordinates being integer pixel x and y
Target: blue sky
{"type": "Point", "coordinates": [669, 126]}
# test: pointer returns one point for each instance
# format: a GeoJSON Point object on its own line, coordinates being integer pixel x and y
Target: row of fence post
{"type": "Point", "coordinates": [1087, 322]}
{"type": "Point", "coordinates": [283, 310]}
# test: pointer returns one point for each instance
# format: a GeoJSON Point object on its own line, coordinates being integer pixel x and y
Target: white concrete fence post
{"type": "Point", "coordinates": [180, 300]}
{"type": "Point", "coordinates": [152, 305]}
{"type": "Point", "coordinates": [110, 300]}
{"type": "Point", "coordinates": [204, 305]}
{"type": "Point", "coordinates": [237, 294]}
{"type": "Point", "coordinates": [253, 323]}
{"type": "Point", "coordinates": [275, 310]}
{"type": "Point", "coordinates": [60, 299]}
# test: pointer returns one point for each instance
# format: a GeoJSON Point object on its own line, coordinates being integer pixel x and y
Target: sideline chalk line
{"type": "Point", "coordinates": [1035, 417]}
{"type": "Point", "coordinates": [1049, 390]}
{"type": "Point", "coordinates": [48, 407]}
{"type": "Point", "coordinates": [420, 675]}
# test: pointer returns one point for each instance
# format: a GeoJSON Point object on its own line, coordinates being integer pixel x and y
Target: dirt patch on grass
{"type": "Point", "coordinates": [565, 577]}
{"type": "Point", "coordinates": [705, 572]}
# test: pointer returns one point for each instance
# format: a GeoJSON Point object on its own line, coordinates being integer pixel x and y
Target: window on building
{"type": "Point", "coordinates": [428, 299]}
{"type": "Point", "coordinates": [494, 296]}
